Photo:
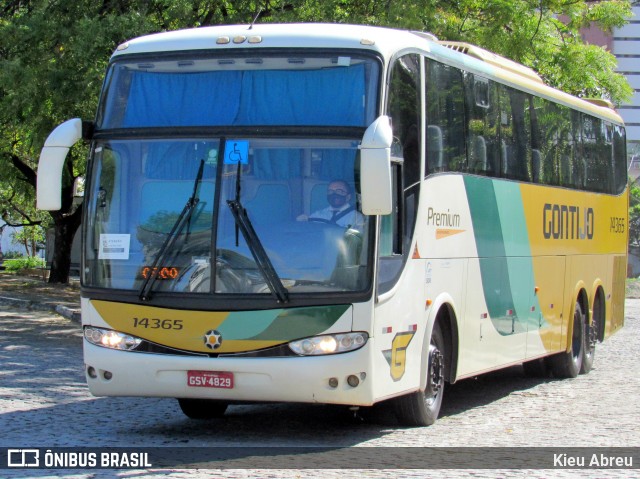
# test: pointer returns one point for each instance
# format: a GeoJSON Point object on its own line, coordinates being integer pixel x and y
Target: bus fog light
{"type": "Point", "coordinates": [107, 375]}
{"type": "Point", "coordinates": [111, 339]}
{"type": "Point", "coordinates": [333, 382]}
{"type": "Point", "coordinates": [329, 344]}
{"type": "Point", "coordinates": [353, 381]}
{"type": "Point", "coordinates": [92, 372]}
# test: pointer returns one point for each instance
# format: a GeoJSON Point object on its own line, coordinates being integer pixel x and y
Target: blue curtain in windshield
{"type": "Point", "coordinates": [162, 99]}
{"type": "Point", "coordinates": [315, 98]}
{"type": "Point", "coordinates": [297, 97]}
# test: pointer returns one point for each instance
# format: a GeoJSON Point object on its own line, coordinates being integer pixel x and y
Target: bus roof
{"type": "Point", "coordinates": [385, 41]}
{"type": "Point", "coordinates": [269, 35]}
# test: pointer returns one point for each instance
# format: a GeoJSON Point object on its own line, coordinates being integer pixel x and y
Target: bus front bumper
{"type": "Point", "coordinates": [289, 379]}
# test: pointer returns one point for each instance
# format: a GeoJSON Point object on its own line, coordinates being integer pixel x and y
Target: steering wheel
{"type": "Point", "coordinates": [231, 272]}
{"type": "Point", "coordinates": [321, 220]}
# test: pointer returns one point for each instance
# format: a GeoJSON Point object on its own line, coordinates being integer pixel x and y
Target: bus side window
{"type": "Point", "coordinates": [444, 111]}
{"type": "Point", "coordinates": [515, 132]}
{"type": "Point", "coordinates": [405, 112]}
{"type": "Point", "coordinates": [435, 149]}
{"type": "Point", "coordinates": [483, 121]}
{"type": "Point", "coordinates": [620, 159]}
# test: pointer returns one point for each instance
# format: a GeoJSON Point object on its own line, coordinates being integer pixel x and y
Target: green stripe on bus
{"type": "Point", "coordinates": [281, 324]}
{"type": "Point", "coordinates": [518, 252]}
{"type": "Point", "coordinates": [502, 242]}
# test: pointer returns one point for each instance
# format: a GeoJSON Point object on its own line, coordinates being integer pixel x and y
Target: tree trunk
{"type": "Point", "coordinates": [65, 230]}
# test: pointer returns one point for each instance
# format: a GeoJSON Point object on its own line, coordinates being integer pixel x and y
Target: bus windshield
{"type": "Point", "coordinates": [166, 205]}
{"type": "Point", "coordinates": [288, 188]}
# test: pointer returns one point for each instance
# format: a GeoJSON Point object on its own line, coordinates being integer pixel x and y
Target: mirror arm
{"type": "Point", "coordinates": [51, 163]}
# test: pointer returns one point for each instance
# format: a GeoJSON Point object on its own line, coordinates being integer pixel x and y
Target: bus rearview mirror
{"type": "Point", "coordinates": [375, 168]}
{"type": "Point", "coordinates": [52, 158]}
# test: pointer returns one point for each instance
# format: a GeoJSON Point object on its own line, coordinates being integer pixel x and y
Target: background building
{"type": "Point", "coordinates": [625, 44]}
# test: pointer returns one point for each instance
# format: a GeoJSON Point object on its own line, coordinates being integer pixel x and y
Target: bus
{"type": "Point", "coordinates": [339, 214]}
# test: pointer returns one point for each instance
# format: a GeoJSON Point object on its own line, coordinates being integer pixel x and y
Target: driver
{"type": "Point", "coordinates": [340, 211]}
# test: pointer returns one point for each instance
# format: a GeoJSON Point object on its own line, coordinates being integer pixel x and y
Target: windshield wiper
{"type": "Point", "coordinates": [243, 223]}
{"type": "Point", "coordinates": [183, 218]}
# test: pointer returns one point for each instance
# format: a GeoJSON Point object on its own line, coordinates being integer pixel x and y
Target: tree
{"type": "Point", "coordinates": [30, 237]}
{"type": "Point", "coordinates": [52, 59]}
{"type": "Point", "coordinates": [53, 55]}
{"type": "Point", "coordinates": [544, 35]}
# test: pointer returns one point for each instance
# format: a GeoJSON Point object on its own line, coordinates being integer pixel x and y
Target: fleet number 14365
{"type": "Point", "coordinates": [156, 323]}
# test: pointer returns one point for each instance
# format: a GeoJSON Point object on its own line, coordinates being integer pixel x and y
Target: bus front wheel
{"type": "Point", "coordinates": [423, 407]}
{"type": "Point", "coordinates": [202, 408]}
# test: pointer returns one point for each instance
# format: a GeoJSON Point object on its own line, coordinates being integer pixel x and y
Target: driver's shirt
{"type": "Point", "coordinates": [351, 219]}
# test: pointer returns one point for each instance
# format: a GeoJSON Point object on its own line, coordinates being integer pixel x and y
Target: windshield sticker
{"type": "Point", "coordinates": [114, 246]}
{"type": "Point", "coordinates": [236, 151]}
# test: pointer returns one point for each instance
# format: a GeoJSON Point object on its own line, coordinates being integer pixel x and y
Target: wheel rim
{"type": "Point", "coordinates": [593, 329]}
{"type": "Point", "coordinates": [435, 375]}
{"type": "Point", "coordinates": [592, 337]}
{"type": "Point", "coordinates": [576, 339]}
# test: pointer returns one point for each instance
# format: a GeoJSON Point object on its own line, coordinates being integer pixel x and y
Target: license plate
{"type": "Point", "coordinates": [210, 379]}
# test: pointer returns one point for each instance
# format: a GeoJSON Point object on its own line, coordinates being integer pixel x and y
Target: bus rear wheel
{"type": "Point", "coordinates": [202, 408]}
{"type": "Point", "coordinates": [569, 364]}
{"type": "Point", "coordinates": [423, 407]}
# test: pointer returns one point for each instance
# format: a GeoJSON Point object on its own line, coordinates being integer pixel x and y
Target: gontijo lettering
{"type": "Point", "coordinates": [567, 222]}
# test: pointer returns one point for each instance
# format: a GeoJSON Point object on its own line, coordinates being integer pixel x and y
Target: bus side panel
{"type": "Point", "coordinates": [506, 275]}
{"type": "Point", "coordinates": [546, 328]}
{"type": "Point", "coordinates": [479, 339]}
{"type": "Point", "coordinates": [398, 331]}
{"type": "Point", "coordinates": [615, 312]}
{"type": "Point", "coordinates": [583, 272]}
{"type": "Point", "coordinates": [585, 228]}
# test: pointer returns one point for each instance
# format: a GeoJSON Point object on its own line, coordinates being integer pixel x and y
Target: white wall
{"type": "Point", "coordinates": [6, 241]}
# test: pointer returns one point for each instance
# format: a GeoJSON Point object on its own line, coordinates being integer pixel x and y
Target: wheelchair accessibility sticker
{"type": "Point", "coordinates": [236, 151]}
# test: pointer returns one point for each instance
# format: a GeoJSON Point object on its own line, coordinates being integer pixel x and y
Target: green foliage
{"type": "Point", "coordinates": [164, 221]}
{"type": "Point", "coordinates": [24, 262]}
{"type": "Point", "coordinates": [543, 35]}
{"type": "Point", "coordinates": [11, 255]}
{"type": "Point", "coordinates": [53, 57]}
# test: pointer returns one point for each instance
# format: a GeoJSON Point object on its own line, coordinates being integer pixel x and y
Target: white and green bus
{"type": "Point", "coordinates": [339, 214]}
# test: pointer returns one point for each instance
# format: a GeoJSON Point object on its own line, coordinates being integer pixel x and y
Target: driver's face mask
{"type": "Point", "coordinates": [337, 197]}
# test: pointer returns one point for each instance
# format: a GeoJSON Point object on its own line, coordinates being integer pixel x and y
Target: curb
{"type": "Point", "coordinates": [64, 311]}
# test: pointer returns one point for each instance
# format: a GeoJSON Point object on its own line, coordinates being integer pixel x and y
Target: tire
{"type": "Point", "coordinates": [422, 408]}
{"type": "Point", "coordinates": [202, 408]}
{"type": "Point", "coordinates": [568, 365]}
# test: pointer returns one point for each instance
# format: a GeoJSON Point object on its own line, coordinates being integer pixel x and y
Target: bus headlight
{"type": "Point", "coordinates": [111, 339]}
{"type": "Point", "coordinates": [329, 344]}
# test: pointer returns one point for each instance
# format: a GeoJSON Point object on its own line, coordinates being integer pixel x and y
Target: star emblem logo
{"type": "Point", "coordinates": [213, 339]}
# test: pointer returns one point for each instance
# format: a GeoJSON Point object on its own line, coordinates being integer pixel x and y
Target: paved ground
{"type": "Point", "coordinates": [31, 292]}
{"type": "Point", "coordinates": [44, 402]}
